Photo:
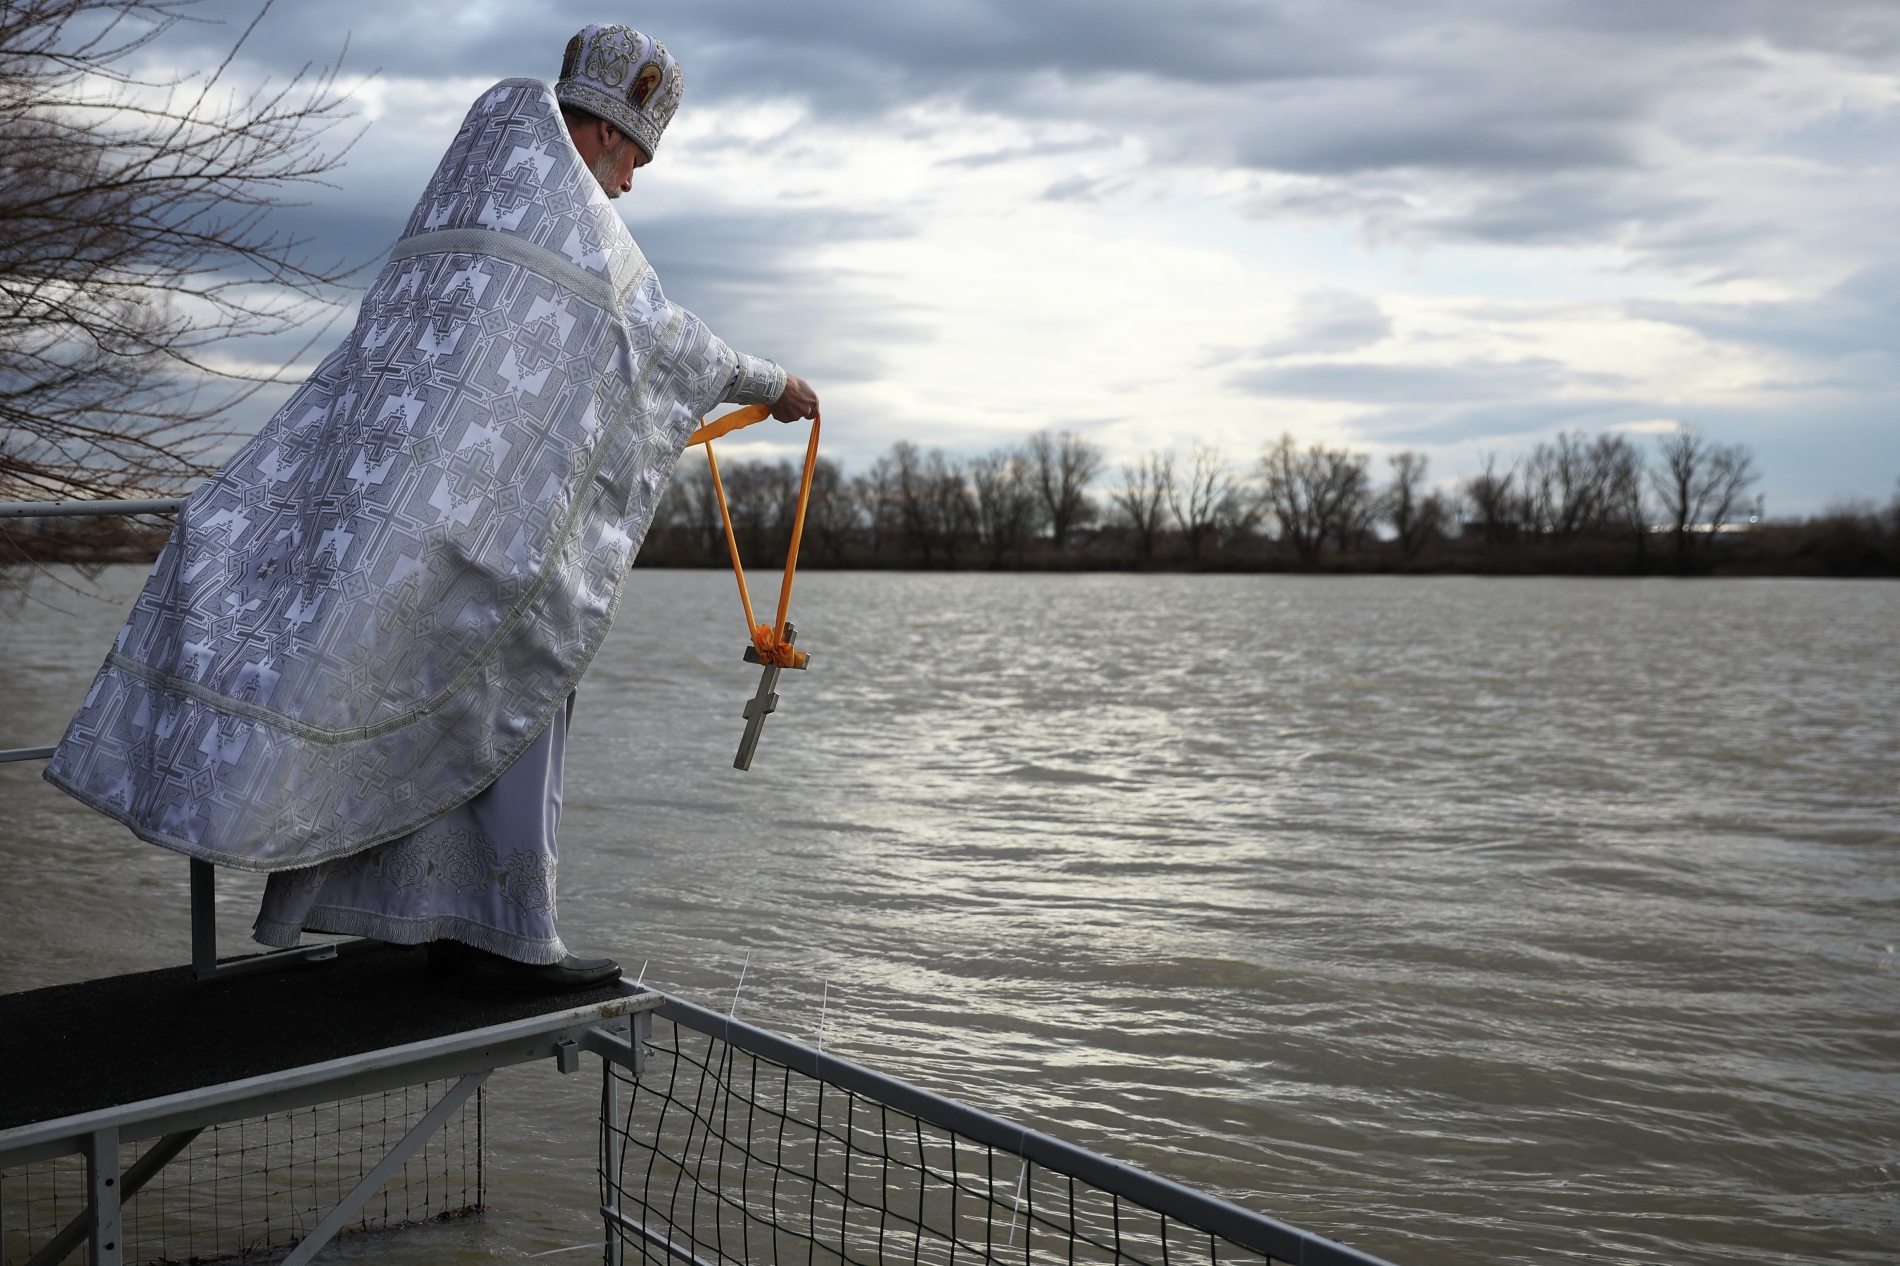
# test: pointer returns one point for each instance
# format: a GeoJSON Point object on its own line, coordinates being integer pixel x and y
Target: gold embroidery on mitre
{"type": "Point", "coordinates": [644, 83]}
{"type": "Point", "coordinates": [608, 58]}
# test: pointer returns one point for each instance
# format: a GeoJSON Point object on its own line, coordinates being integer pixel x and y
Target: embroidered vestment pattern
{"type": "Point", "coordinates": [381, 599]}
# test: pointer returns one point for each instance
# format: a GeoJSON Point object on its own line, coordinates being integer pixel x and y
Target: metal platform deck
{"type": "Point", "coordinates": [78, 1048]}
{"type": "Point", "coordinates": [87, 1067]}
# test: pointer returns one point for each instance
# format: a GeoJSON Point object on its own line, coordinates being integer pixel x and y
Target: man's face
{"type": "Point", "coordinates": [616, 162]}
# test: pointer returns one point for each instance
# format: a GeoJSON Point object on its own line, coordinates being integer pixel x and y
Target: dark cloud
{"type": "Point", "coordinates": [1858, 319]}
{"type": "Point", "coordinates": [1079, 188]}
{"type": "Point", "coordinates": [1499, 404]}
{"type": "Point", "coordinates": [1408, 384]}
{"type": "Point", "coordinates": [1330, 322]}
{"type": "Point", "coordinates": [756, 279]}
{"type": "Point", "coordinates": [1042, 149]}
{"type": "Point", "coordinates": [1508, 427]}
{"type": "Point", "coordinates": [1716, 140]}
{"type": "Point", "coordinates": [1434, 119]}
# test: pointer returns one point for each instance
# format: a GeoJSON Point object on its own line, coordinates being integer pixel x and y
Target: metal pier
{"type": "Point", "coordinates": [159, 1055]}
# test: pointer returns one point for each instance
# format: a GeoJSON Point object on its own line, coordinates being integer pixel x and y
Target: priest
{"type": "Point", "coordinates": [353, 665]}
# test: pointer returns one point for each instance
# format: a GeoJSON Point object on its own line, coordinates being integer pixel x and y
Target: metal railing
{"type": "Point", "coordinates": [99, 1184]}
{"type": "Point", "coordinates": [256, 1185]}
{"type": "Point", "coordinates": [72, 509]}
{"type": "Point", "coordinates": [738, 1147]}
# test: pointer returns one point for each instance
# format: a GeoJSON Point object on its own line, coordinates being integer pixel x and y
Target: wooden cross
{"type": "Point", "coordinates": [760, 705]}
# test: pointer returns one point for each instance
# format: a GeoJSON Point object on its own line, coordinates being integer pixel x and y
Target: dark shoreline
{"type": "Point", "coordinates": [1824, 547]}
{"type": "Point", "coordinates": [1836, 546]}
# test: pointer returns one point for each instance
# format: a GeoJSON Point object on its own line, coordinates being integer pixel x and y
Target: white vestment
{"type": "Point", "coordinates": [378, 605]}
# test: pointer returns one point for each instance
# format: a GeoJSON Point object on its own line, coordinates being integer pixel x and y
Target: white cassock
{"type": "Point", "coordinates": [482, 873]}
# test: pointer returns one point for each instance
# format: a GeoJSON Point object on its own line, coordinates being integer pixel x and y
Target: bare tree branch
{"type": "Point", "coordinates": [1006, 506]}
{"type": "Point", "coordinates": [1146, 488]}
{"type": "Point", "coordinates": [1416, 516]}
{"type": "Point", "coordinates": [1197, 501]}
{"type": "Point", "coordinates": [135, 247]}
{"type": "Point", "coordinates": [1314, 494]}
{"type": "Point", "coordinates": [1065, 466]}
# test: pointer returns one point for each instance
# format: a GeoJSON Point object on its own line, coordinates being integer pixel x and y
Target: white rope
{"type": "Point", "coordinates": [734, 1008]}
{"type": "Point", "coordinates": [823, 1001]}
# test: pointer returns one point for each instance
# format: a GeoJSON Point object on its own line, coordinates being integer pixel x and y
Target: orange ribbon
{"type": "Point", "coordinates": [768, 640]}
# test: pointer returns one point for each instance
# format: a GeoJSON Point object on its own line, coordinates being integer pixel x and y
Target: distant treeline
{"type": "Point", "coordinates": [86, 542]}
{"type": "Point", "coordinates": [1607, 504]}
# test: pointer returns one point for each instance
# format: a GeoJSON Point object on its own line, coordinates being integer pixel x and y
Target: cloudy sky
{"type": "Point", "coordinates": [1456, 226]}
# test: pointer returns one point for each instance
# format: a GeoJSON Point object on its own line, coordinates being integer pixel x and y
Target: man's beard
{"type": "Point", "coordinates": [603, 168]}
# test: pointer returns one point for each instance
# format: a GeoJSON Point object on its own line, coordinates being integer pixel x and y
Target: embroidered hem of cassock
{"type": "Point", "coordinates": [482, 874]}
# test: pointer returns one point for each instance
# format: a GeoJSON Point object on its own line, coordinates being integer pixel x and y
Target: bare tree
{"type": "Point", "coordinates": [1625, 508]}
{"type": "Point", "coordinates": [1196, 501]}
{"type": "Point", "coordinates": [762, 497]}
{"type": "Point", "coordinates": [875, 493]}
{"type": "Point", "coordinates": [1416, 516]}
{"type": "Point", "coordinates": [1566, 485]}
{"type": "Point", "coordinates": [932, 499]}
{"type": "Point", "coordinates": [1699, 484]}
{"type": "Point", "coordinates": [1241, 511]}
{"type": "Point", "coordinates": [1142, 498]}
{"type": "Point", "coordinates": [1065, 465]}
{"type": "Point", "coordinates": [1681, 482]}
{"type": "Point", "coordinates": [1355, 514]}
{"type": "Point", "coordinates": [1005, 507]}
{"type": "Point", "coordinates": [833, 514]}
{"type": "Point", "coordinates": [911, 493]}
{"type": "Point", "coordinates": [1731, 473]}
{"type": "Point", "coordinates": [1312, 494]}
{"type": "Point", "coordinates": [134, 238]}
{"type": "Point", "coordinates": [689, 506]}
{"type": "Point", "coordinates": [950, 513]}
{"type": "Point", "coordinates": [1493, 499]}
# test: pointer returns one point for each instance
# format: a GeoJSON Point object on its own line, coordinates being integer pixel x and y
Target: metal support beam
{"type": "Point", "coordinates": [204, 936]}
{"type": "Point", "coordinates": [618, 1219]}
{"type": "Point", "coordinates": [143, 1170]}
{"type": "Point", "coordinates": [204, 919]}
{"type": "Point", "coordinates": [631, 1055]}
{"type": "Point", "coordinates": [66, 509]}
{"type": "Point", "coordinates": [386, 1169]}
{"type": "Point", "coordinates": [610, 1161]}
{"type": "Point", "coordinates": [105, 1246]}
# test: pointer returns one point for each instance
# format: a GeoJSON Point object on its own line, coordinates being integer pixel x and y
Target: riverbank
{"type": "Point", "coordinates": [1829, 546]}
{"type": "Point", "coordinates": [1836, 546]}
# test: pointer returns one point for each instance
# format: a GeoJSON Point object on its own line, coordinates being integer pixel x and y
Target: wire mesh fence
{"type": "Point", "coordinates": [717, 1155]}
{"type": "Point", "coordinates": [254, 1187]}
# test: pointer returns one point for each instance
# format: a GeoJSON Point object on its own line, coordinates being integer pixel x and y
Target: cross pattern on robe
{"type": "Point", "coordinates": [542, 344]}
{"type": "Point", "coordinates": [457, 309]}
{"type": "Point", "coordinates": [760, 705]}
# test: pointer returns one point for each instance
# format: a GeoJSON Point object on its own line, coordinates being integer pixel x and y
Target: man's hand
{"type": "Point", "coordinates": [797, 401]}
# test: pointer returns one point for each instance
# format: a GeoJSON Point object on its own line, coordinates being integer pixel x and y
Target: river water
{"type": "Point", "coordinates": [1461, 919]}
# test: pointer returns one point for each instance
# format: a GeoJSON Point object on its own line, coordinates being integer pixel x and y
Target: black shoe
{"type": "Point", "coordinates": [448, 959]}
{"type": "Point", "coordinates": [492, 971]}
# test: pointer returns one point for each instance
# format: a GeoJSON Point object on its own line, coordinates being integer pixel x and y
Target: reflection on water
{"type": "Point", "coordinates": [1452, 917]}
